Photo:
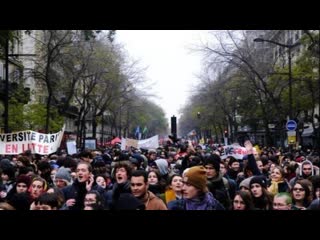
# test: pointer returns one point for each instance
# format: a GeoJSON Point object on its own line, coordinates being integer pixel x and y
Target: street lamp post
{"type": "Point", "coordinates": [289, 47]}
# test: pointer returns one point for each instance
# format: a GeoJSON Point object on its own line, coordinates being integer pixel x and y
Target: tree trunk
{"type": "Point", "coordinates": [269, 140]}
{"type": "Point", "coordinates": [48, 112]}
{"type": "Point", "coordinates": [94, 125]}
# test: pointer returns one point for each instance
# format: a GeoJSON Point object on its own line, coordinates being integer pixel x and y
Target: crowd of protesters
{"type": "Point", "coordinates": [176, 176]}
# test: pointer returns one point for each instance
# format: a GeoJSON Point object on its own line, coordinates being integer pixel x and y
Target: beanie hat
{"type": "Point", "coordinates": [9, 170]}
{"type": "Point", "coordinates": [54, 165]}
{"type": "Point", "coordinates": [232, 160]}
{"type": "Point", "coordinates": [245, 183]}
{"type": "Point", "coordinates": [24, 179]}
{"type": "Point", "coordinates": [64, 174]}
{"type": "Point", "coordinates": [196, 176]}
{"type": "Point", "coordinates": [259, 180]}
{"type": "Point", "coordinates": [213, 160]}
{"type": "Point", "coordinates": [5, 163]}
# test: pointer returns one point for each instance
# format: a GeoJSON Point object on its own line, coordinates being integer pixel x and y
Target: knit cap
{"type": "Point", "coordinates": [197, 177]}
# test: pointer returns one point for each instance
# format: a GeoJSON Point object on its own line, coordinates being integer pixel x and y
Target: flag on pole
{"type": "Point", "coordinates": [137, 132]}
{"type": "Point", "coordinates": [145, 130]}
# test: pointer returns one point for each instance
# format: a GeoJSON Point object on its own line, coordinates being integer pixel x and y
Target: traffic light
{"type": "Point", "coordinates": [174, 126]}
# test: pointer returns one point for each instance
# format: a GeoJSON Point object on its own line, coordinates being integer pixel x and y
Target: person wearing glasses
{"type": "Point", "coordinates": [94, 197]}
{"type": "Point", "coordinates": [300, 196]}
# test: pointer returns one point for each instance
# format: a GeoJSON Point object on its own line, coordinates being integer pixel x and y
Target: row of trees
{"type": "Point", "coordinates": [87, 76]}
{"type": "Point", "coordinates": [244, 85]}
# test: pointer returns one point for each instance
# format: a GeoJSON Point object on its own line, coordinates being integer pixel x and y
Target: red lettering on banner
{"type": "Point", "coordinates": [39, 148]}
{"type": "Point", "coordinates": [35, 148]}
{"type": "Point", "coordinates": [11, 148]}
{"type": "Point", "coordinates": [45, 149]}
{"type": "Point", "coordinates": [8, 148]}
{"type": "Point", "coordinates": [15, 148]}
{"type": "Point", "coordinates": [29, 146]}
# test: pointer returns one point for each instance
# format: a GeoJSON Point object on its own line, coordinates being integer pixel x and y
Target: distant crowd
{"type": "Point", "coordinates": [176, 176]}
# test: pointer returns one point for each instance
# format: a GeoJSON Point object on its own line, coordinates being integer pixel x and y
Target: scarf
{"type": "Point", "coordinates": [274, 188]}
{"type": "Point", "coordinates": [204, 202]}
{"type": "Point", "coordinates": [170, 195]}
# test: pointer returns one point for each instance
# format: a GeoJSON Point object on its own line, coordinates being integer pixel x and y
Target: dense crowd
{"type": "Point", "coordinates": [176, 176]}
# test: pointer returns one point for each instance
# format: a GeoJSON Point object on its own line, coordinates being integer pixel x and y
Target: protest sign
{"type": "Point", "coordinates": [40, 143]}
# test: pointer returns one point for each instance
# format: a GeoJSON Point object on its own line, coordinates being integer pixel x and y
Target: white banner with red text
{"type": "Point", "coordinates": [236, 151]}
{"type": "Point", "coordinates": [40, 143]}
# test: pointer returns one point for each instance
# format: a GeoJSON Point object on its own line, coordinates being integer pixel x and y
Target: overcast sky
{"type": "Point", "coordinates": [171, 64]}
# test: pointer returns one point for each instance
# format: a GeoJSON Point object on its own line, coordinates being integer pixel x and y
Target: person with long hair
{"type": "Point", "coordinates": [242, 201]}
{"type": "Point", "coordinates": [262, 199]}
{"type": "Point", "coordinates": [278, 182]}
{"type": "Point", "coordinates": [300, 195]}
